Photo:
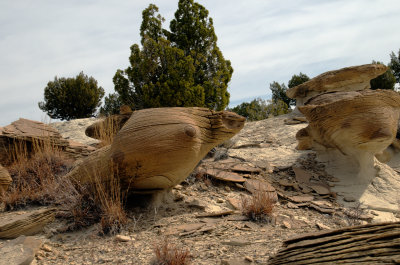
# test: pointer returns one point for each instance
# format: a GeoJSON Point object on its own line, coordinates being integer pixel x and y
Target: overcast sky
{"type": "Point", "coordinates": [266, 41]}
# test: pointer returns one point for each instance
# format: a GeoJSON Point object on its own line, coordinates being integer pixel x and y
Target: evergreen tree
{"type": "Point", "coordinates": [193, 32]}
{"type": "Point", "coordinates": [384, 81]}
{"type": "Point", "coordinates": [298, 80]}
{"type": "Point", "coordinates": [112, 104]}
{"type": "Point", "coordinates": [72, 98]}
{"type": "Point", "coordinates": [279, 90]}
{"type": "Point", "coordinates": [183, 67]}
{"type": "Point", "coordinates": [279, 93]}
{"type": "Point", "coordinates": [259, 109]}
{"type": "Point", "coordinates": [395, 65]}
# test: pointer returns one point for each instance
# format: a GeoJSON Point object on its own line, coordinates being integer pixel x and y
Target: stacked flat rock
{"type": "Point", "coordinates": [27, 132]}
{"type": "Point", "coordinates": [366, 244]}
{"type": "Point", "coordinates": [353, 78]}
{"type": "Point", "coordinates": [30, 222]}
{"type": "Point", "coordinates": [5, 180]}
{"type": "Point", "coordinates": [361, 125]}
{"type": "Point", "coordinates": [158, 148]}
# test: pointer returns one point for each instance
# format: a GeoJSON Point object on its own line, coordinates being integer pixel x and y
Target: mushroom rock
{"type": "Point", "coordinates": [346, 79]}
{"type": "Point", "coordinates": [158, 148]}
{"type": "Point", "coordinates": [110, 125]}
{"type": "Point", "coordinates": [360, 125]}
{"type": "Point", "coordinates": [5, 180]}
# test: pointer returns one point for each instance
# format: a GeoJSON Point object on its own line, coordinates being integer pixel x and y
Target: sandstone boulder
{"type": "Point", "coordinates": [21, 250]}
{"type": "Point", "coordinates": [29, 222]}
{"type": "Point", "coordinates": [360, 126]}
{"type": "Point", "coordinates": [346, 79]}
{"type": "Point", "coordinates": [158, 148]}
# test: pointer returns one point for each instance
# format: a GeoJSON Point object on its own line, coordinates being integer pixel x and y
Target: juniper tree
{"type": "Point", "coordinates": [72, 98]}
{"type": "Point", "coordinates": [170, 69]}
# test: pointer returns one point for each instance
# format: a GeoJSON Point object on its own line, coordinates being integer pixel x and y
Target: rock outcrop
{"type": "Point", "coordinates": [5, 180]}
{"type": "Point", "coordinates": [346, 79]}
{"type": "Point", "coordinates": [25, 134]}
{"type": "Point", "coordinates": [29, 222]}
{"type": "Point", "coordinates": [158, 148]}
{"type": "Point", "coordinates": [366, 244]}
{"type": "Point", "coordinates": [21, 250]}
{"type": "Point", "coordinates": [360, 125]}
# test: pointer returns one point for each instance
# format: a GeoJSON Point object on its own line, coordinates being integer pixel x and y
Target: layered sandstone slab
{"type": "Point", "coordinates": [352, 78]}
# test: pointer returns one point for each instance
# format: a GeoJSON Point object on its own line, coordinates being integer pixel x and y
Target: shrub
{"type": "Point", "coordinates": [72, 98]}
{"type": "Point", "coordinates": [35, 177]}
{"type": "Point", "coordinates": [259, 109]}
{"type": "Point", "coordinates": [258, 207]}
{"type": "Point", "coordinates": [39, 179]}
{"type": "Point", "coordinates": [167, 253]}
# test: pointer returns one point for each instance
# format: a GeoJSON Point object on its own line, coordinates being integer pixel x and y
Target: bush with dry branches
{"type": "Point", "coordinates": [168, 253]}
{"type": "Point", "coordinates": [259, 206]}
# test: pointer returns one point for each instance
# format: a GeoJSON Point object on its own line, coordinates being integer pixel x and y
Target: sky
{"type": "Point", "coordinates": [265, 40]}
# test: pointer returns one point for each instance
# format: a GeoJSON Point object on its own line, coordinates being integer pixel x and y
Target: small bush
{"type": "Point", "coordinates": [72, 98]}
{"type": "Point", "coordinates": [36, 176]}
{"type": "Point", "coordinates": [167, 253]}
{"type": "Point", "coordinates": [258, 207]}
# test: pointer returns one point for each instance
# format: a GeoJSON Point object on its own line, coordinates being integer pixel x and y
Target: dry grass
{"type": "Point", "coordinates": [38, 179]}
{"type": "Point", "coordinates": [106, 132]}
{"type": "Point", "coordinates": [258, 207]}
{"type": "Point", "coordinates": [99, 202]}
{"type": "Point", "coordinates": [167, 253]}
{"type": "Point", "coordinates": [35, 174]}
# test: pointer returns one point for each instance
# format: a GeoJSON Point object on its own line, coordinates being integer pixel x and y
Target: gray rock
{"type": "Point", "coordinates": [20, 251]}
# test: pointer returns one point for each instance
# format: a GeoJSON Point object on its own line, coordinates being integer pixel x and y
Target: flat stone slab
{"type": "Point", "coordinates": [29, 222]}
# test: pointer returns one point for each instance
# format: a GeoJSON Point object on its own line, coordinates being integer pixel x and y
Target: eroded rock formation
{"type": "Point", "coordinates": [158, 148]}
{"type": "Point", "coordinates": [360, 125]}
{"type": "Point", "coordinates": [346, 79]}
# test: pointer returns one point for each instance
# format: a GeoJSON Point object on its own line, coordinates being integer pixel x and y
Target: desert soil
{"type": "Point", "coordinates": [226, 239]}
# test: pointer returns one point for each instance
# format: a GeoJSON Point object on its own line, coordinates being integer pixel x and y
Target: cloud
{"type": "Point", "coordinates": [265, 40]}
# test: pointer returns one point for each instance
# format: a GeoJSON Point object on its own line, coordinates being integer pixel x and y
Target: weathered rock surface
{"type": "Point", "coordinates": [359, 126]}
{"type": "Point", "coordinates": [5, 180]}
{"type": "Point", "coordinates": [75, 130]}
{"type": "Point", "coordinates": [346, 79]}
{"type": "Point", "coordinates": [25, 133]}
{"type": "Point", "coordinates": [366, 244]}
{"type": "Point", "coordinates": [158, 148]}
{"type": "Point", "coordinates": [20, 251]}
{"type": "Point", "coordinates": [380, 194]}
{"type": "Point", "coordinates": [267, 143]}
{"type": "Point", "coordinates": [29, 222]}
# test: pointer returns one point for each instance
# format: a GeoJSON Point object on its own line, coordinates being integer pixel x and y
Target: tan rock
{"type": "Point", "coordinates": [14, 224]}
{"type": "Point", "coordinates": [346, 79]}
{"type": "Point", "coordinates": [21, 250]}
{"type": "Point", "coordinates": [359, 127]}
{"type": "Point", "coordinates": [25, 134]}
{"type": "Point", "coordinates": [158, 148]}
